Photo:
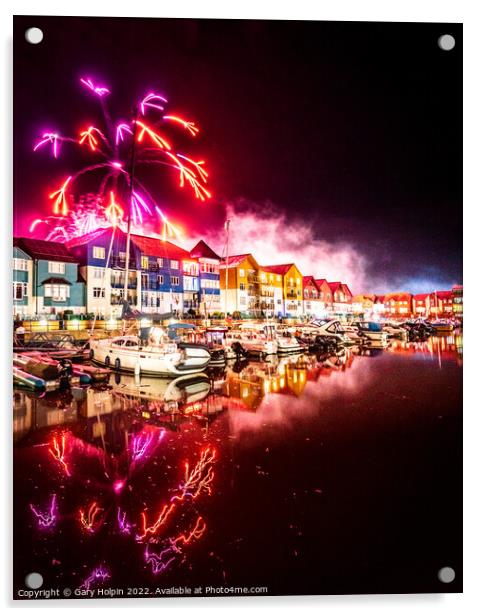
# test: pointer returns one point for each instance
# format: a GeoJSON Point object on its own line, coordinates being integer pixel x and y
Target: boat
{"type": "Point", "coordinates": [372, 333]}
{"type": "Point", "coordinates": [25, 379]}
{"type": "Point", "coordinates": [287, 342]}
{"type": "Point", "coordinates": [158, 356]}
{"type": "Point", "coordinates": [258, 340]}
{"type": "Point", "coordinates": [442, 326]}
{"type": "Point", "coordinates": [395, 330]}
{"type": "Point", "coordinates": [329, 330]}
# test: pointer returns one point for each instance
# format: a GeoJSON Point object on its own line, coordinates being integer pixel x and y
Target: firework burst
{"type": "Point", "coordinates": [118, 152]}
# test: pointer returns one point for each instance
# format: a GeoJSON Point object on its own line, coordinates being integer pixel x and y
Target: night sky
{"type": "Point", "coordinates": [353, 128]}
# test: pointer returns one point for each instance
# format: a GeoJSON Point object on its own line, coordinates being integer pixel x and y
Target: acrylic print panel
{"type": "Point", "coordinates": [238, 308]}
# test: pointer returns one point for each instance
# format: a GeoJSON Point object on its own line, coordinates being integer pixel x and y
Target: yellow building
{"type": "Point", "coordinates": [243, 285]}
{"type": "Point", "coordinates": [292, 288]}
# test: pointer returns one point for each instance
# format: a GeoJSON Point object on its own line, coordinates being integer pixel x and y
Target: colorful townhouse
{"type": "Point", "coordinates": [22, 267]}
{"type": "Point", "coordinates": [441, 304]}
{"type": "Point", "coordinates": [55, 285]}
{"type": "Point", "coordinates": [325, 294]}
{"type": "Point", "coordinates": [363, 304]}
{"type": "Point", "coordinates": [240, 285]}
{"type": "Point", "coordinates": [313, 306]}
{"type": "Point", "coordinates": [421, 305]}
{"type": "Point", "coordinates": [209, 285]}
{"type": "Point", "coordinates": [271, 293]}
{"type": "Point", "coordinates": [292, 283]}
{"type": "Point", "coordinates": [398, 305]}
{"type": "Point", "coordinates": [458, 300]}
{"type": "Point", "coordinates": [342, 297]}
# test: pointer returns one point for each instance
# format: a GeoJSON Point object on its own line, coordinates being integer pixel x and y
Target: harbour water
{"type": "Point", "coordinates": [304, 475]}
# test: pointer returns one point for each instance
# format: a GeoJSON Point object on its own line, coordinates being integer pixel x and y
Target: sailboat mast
{"type": "Point", "coordinates": [131, 190]}
{"type": "Point", "coordinates": [228, 222]}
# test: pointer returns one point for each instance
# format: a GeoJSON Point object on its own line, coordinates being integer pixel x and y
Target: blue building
{"type": "Point", "coordinates": [55, 283]}
{"type": "Point", "coordinates": [209, 291]}
{"type": "Point", "coordinates": [22, 283]}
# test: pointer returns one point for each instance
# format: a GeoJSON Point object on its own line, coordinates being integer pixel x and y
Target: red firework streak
{"type": "Point", "coordinates": [110, 149]}
{"type": "Point", "coordinates": [89, 520]}
{"type": "Point", "coordinates": [57, 451]}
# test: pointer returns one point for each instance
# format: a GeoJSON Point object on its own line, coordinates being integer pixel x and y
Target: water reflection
{"type": "Point", "coordinates": [116, 483]}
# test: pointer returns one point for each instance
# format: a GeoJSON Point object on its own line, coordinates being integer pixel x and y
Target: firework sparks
{"type": "Point", "coordinates": [146, 530]}
{"type": "Point", "coordinates": [52, 138]}
{"type": "Point", "coordinates": [57, 451]}
{"type": "Point", "coordinates": [99, 574]}
{"type": "Point", "coordinates": [89, 520]}
{"type": "Point", "coordinates": [47, 519]}
{"type": "Point", "coordinates": [60, 199]}
{"type": "Point", "coordinates": [115, 140]}
{"type": "Point", "coordinates": [199, 479]}
{"type": "Point", "coordinates": [122, 522]}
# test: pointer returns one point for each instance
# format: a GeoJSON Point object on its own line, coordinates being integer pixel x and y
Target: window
{"type": "Point", "coordinates": [175, 280]}
{"type": "Point", "coordinates": [20, 264]}
{"type": "Point", "coordinates": [98, 273]}
{"type": "Point", "coordinates": [210, 268]}
{"type": "Point", "coordinates": [145, 262]}
{"type": "Point", "coordinates": [160, 262]}
{"type": "Point", "coordinates": [58, 292]}
{"type": "Point", "coordinates": [20, 290]}
{"type": "Point", "coordinates": [98, 252]}
{"type": "Point", "coordinates": [210, 284]}
{"type": "Point", "coordinates": [98, 292]}
{"type": "Point", "coordinates": [160, 280]}
{"type": "Point", "coordinates": [175, 265]}
{"type": "Point", "coordinates": [189, 268]}
{"type": "Point", "coordinates": [242, 273]}
{"type": "Point", "coordinates": [242, 286]}
{"type": "Point", "coordinates": [56, 267]}
{"type": "Point", "coordinates": [298, 281]}
{"type": "Point", "coordinates": [144, 281]}
{"type": "Point", "coordinates": [278, 278]}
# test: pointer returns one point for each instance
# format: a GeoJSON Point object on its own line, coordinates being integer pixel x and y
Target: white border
{"type": "Point", "coordinates": [349, 10]}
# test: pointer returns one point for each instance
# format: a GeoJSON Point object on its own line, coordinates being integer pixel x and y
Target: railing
{"type": "Point", "coordinates": [119, 284]}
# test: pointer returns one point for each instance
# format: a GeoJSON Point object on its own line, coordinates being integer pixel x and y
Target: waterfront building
{"type": "Point", "coordinates": [209, 283]}
{"type": "Point", "coordinates": [342, 298]}
{"type": "Point", "coordinates": [421, 305]}
{"type": "Point", "coordinates": [379, 306]}
{"type": "Point", "coordinates": [271, 293]}
{"type": "Point", "coordinates": [55, 285]}
{"type": "Point", "coordinates": [22, 283]}
{"type": "Point", "coordinates": [242, 291]}
{"type": "Point", "coordinates": [313, 306]}
{"type": "Point", "coordinates": [441, 304]}
{"type": "Point", "coordinates": [458, 300]}
{"type": "Point", "coordinates": [324, 293]}
{"type": "Point", "coordinates": [364, 304]}
{"type": "Point", "coordinates": [292, 284]}
{"type": "Point", "coordinates": [398, 305]}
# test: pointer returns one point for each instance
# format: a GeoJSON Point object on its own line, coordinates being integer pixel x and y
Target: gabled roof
{"type": "Point", "coordinates": [346, 289]}
{"type": "Point", "coordinates": [155, 247]}
{"type": "Point", "coordinates": [321, 281]}
{"type": "Point", "coordinates": [444, 294]}
{"type": "Point", "coordinates": [202, 251]}
{"type": "Point", "coordinates": [56, 281]}
{"type": "Point", "coordinates": [277, 269]}
{"type": "Point", "coordinates": [308, 279]}
{"type": "Point", "coordinates": [421, 296]}
{"type": "Point", "coordinates": [334, 286]}
{"type": "Point", "coordinates": [235, 260]}
{"type": "Point", "coordinates": [42, 249]}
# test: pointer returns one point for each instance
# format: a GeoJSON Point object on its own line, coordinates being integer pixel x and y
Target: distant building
{"type": "Point", "coordinates": [242, 292]}
{"type": "Point", "coordinates": [398, 305]}
{"type": "Point", "coordinates": [55, 284]}
{"type": "Point", "coordinates": [458, 300]}
{"type": "Point", "coordinates": [271, 293]}
{"type": "Point", "coordinates": [363, 304]}
{"type": "Point", "coordinates": [442, 304]}
{"type": "Point", "coordinates": [325, 294]}
{"type": "Point", "coordinates": [342, 297]}
{"type": "Point", "coordinates": [313, 305]}
{"type": "Point", "coordinates": [421, 305]}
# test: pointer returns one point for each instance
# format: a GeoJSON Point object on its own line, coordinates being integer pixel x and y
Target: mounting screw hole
{"type": "Point", "coordinates": [446, 42]}
{"type": "Point", "coordinates": [446, 575]}
{"type": "Point", "coordinates": [34, 580]}
{"type": "Point", "coordinates": [34, 36]}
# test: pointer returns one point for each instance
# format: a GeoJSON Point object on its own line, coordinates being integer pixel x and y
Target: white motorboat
{"type": "Point", "coordinates": [158, 357]}
{"type": "Point", "coordinates": [287, 342]}
{"type": "Point", "coordinates": [251, 339]}
{"type": "Point", "coordinates": [395, 330]}
{"type": "Point", "coordinates": [328, 329]}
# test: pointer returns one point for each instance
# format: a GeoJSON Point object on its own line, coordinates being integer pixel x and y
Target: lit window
{"type": "Point", "coordinates": [98, 252]}
{"type": "Point", "coordinates": [242, 272]}
{"type": "Point", "coordinates": [56, 267]}
{"type": "Point", "coordinates": [58, 292]}
{"type": "Point", "coordinates": [144, 262]}
{"type": "Point", "coordinates": [20, 264]}
{"type": "Point", "coordinates": [160, 262]}
{"type": "Point", "coordinates": [175, 265]}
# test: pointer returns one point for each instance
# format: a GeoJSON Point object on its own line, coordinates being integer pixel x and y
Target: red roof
{"type": "Point", "coordinates": [421, 296]}
{"type": "Point", "coordinates": [88, 237]}
{"type": "Point", "coordinates": [444, 294]}
{"type": "Point", "coordinates": [308, 279]}
{"type": "Point", "coordinates": [334, 286]}
{"type": "Point", "coordinates": [277, 269]}
{"type": "Point", "coordinates": [155, 247]}
{"type": "Point", "coordinates": [346, 289]}
{"type": "Point", "coordinates": [202, 251]}
{"type": "Point", "coordinates": [235, 260]}
{"type": "Point", "coordinates": [398, 297]}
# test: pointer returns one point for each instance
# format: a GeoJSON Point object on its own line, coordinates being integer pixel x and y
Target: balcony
{"type": "Point", "coordinates": [118, 283]}
{"type": "Point", "coordinates": [121, 263]}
